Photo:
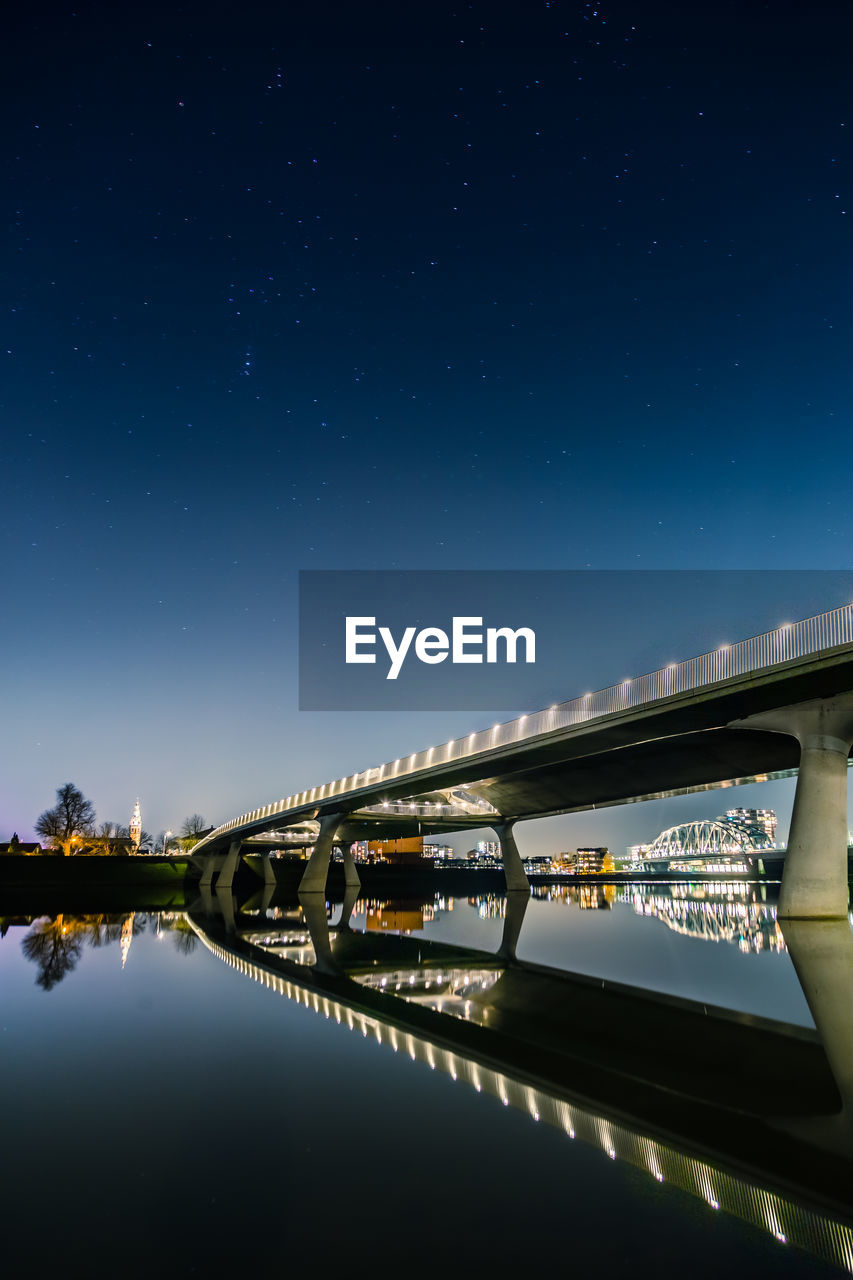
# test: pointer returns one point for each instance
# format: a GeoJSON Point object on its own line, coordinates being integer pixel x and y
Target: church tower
{"type": "Point", "coordinates": [136, 826]}
{"type": "Point", "coordinates": [126, 935]}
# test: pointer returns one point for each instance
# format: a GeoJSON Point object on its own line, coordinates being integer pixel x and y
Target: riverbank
{"type": "Point", "coordinates": [71, 872]}
{"type": "Point", "coordinates": [92, 884]}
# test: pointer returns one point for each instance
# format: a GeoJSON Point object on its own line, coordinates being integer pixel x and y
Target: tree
{"type": "Point", "coordinates": [70, 821]}
{"type": "Point", "coordinates": [192, 830]}
{"type": "Point", "coordinates": [193, 825]}
{"type": "Point", "coordinates": [55, 948]}
{"type": "Point", "coordinates": [111, 840]}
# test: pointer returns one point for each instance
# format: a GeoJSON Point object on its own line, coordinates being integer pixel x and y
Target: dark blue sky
{"type": "Point", "coordinates": [499, 285]}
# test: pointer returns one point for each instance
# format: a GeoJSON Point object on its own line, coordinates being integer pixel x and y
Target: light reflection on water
{"type": "Point", "coordinates": [135, 1012]}
{"type": "Point", "coordinates": [652, 935]}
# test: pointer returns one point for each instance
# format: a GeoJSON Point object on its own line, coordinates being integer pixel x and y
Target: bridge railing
{"type": "Point", "coordinates": [806, 638]}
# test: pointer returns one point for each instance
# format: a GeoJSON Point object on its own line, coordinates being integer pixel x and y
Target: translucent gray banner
{"type": "Point", "coordinates": [519, 640]}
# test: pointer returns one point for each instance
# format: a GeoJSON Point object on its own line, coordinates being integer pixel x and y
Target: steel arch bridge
{"type": "Point", "coordinates": [697, 839]}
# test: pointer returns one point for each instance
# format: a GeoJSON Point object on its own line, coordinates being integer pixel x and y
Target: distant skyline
{"type": "Point", "coordinates": [496, 285]}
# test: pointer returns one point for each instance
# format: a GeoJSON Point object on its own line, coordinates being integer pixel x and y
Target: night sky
{"type": "Point", "coordinates": [422, 285]}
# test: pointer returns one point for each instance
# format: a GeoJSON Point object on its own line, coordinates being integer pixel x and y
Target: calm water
{"type": "Point", "coordinates": [186, 1094]}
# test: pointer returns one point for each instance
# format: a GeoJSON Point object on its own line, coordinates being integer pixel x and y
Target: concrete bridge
{"type": "Point", "coordinates": [771, 706]}
{"type": "Point", "coordinates": [750, 1115]}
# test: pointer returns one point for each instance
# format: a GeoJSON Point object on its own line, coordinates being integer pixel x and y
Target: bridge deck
{"type": "Point", "coordinates": [664, 734]}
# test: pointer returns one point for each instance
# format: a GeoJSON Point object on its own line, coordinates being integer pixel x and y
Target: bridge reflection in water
{"type": "Point", "coordinates": [752, 1116]}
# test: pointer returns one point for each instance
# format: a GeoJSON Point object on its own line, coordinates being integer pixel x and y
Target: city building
{"type": "Point", "coordinates": [408, 851]}
{"type": "Point", "coordinates": [438, 852]}
{"type": "Point", "coordinates": [591, 861]}
{"type": "Point", "coordinates": [21, 847]}
{"type": "Point", "coordinates": [486, 853]}
{"type": "Point", "coordinates": [761, 824]}
{"type": "Point", "coordinates": [393, 918]}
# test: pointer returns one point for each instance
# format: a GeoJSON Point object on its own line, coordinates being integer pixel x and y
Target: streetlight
{"type": "Point", "coordinates": [166, 835]}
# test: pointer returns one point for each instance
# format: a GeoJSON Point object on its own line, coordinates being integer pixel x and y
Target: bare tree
{"type": "Point", "coordinates": [193, 825]}
{"type": "Point", "coordinates": [111, 840]}
{"type": "Point", "coordinates": [69, 822]}
{"type": "Point", "coordinates": [192, 830]}
{"type": "Point", "coordinates": [54, 948]}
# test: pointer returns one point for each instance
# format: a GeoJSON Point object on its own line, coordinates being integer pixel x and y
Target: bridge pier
{"type": "Point", "coordinates": [516, 905]}
{"type": "Point", "coordinates": [348, 906]}
{"type": "Point", "coordinates": [814, 877]}
{"type": "Point", "coordinates": [516, 876]}
{"type": "Point", "coordinates": [317, 871]}
{"type": "Point", "coordinates": [351, 877]}
{"type": "Point", "coordinates": [225, 901]}
{"type": "Point", "coordinates": [822, 954]}
{"type": "Point", "coordinates": [317, 922]}
{"type": "Point", "coordinates": [225, 879]}
{"type": "Point", "coordinates": [208, 868]}
{"type": "Point", "coordinates": [269, 882]}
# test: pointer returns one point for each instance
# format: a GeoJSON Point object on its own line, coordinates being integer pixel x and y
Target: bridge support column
{"type": "Point", "coordinates": [317, 871]}
{"type": "Point", "coordinates": [351, 876]}
{"type": "Point", "coordinates": [822, 954]}
{"type": "Point", "coordinates": [225, 900]}
{"type": "Point", "coordinates": [206, 881]}
{"type": "Point", "coordinates": [314, 911]}
{"type": "Point", "coordinates": [348, 906]}
{"type": "Point", "coordinates": [814, 877]}
{"type": "Point", "coordinates": [269, 882]}
{"type": "Point", "coordinates": [225, 879]}
{"type": "Point", "coordinates": [516, 876]}
{"type": "Point", "coordinates": [516, 905]}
